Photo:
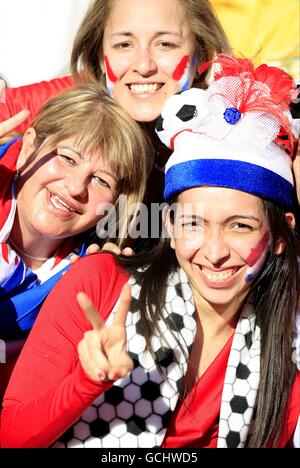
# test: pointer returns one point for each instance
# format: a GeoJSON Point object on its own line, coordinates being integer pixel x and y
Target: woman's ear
{"type": "Point", "coordinates": [281, 244]}
{"type": "Point", "coordinates": [28, 147]}
{"type": "Point", "coordinates": [169, 225]}
{"type": "Point", "coordinates": [290, 217]}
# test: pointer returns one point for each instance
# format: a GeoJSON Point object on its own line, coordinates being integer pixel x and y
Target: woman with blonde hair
{"type": "Point", "coordinates": [81, 152]}
{"type": "Point", "coordinates": [80, 155]}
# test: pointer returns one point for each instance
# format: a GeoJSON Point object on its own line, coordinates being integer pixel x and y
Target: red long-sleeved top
{"type": "Point", "coordinates": [49, 389]}
{"type": "Point", "coordinates": [31, 97]}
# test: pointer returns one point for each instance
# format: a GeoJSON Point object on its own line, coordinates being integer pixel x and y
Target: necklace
{"type": "Point", "coordinates": [18, 250]}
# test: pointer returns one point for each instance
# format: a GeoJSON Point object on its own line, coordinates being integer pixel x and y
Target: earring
{"type": "Point", "coordinates": [16, 176]}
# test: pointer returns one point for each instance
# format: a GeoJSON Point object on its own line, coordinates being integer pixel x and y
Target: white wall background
{"type": "Point", "coordinates": [36, 38]}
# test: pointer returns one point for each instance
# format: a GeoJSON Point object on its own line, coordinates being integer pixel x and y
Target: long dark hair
{"type": "Point", "coordinates": [275, 295]}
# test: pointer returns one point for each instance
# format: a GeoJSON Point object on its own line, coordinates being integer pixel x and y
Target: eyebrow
{"type": "Point", "coordinates": [238, 216]}
{"type": "Point", "coordinates": [109, 174]}
{"type": "Point", "coordinates": [231, 218]}
{"type": "Point", "coordinates": [82, 158]}
{"type": "Point", "coordinates": [71, 149]}
{"type": "Point", "coordinates": [159, 33]}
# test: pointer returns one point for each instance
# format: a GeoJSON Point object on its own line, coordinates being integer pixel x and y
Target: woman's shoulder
{"type": "Point", "coordinates": [98, 275]}
{"type": "Point", "coordinates": [100, 264]}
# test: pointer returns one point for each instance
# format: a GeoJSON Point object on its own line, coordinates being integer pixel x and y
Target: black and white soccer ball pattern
{"type": "Point", "coordinates": [136, 410]}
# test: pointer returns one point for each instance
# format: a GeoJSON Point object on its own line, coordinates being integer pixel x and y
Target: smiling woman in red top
{"type": "Point", "coordinates": [54, 183]}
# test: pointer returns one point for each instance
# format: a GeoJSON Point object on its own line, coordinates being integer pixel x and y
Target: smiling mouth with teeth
{"type": "Point", "coordinates": [216, 277]}
{"type": "Point", "coordinates": [59, 204]}
{"type": "Point", "coordinates": [145, 88]}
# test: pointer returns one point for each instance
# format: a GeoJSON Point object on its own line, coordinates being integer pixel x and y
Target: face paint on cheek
{"type": "Point", "coordinates": [183, 73]}
{"type": "Point", "coordinates": [257, 257]}
{"type": "Point", "coordinates": [111, 78]}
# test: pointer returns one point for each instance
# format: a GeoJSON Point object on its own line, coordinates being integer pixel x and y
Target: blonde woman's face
{"type": "Point", "coordinates": [148, 55]}
{"type": "Point", "coordinates": [61, 193]}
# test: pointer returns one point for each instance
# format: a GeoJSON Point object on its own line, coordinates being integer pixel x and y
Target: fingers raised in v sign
{"type": "Point", "coordinates": [103, 350]}
{"type": "Point", "coordinates": [90, 311]}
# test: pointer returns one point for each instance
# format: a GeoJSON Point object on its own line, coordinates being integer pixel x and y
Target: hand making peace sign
{"type": "Point", "coordinates": [103, 351]}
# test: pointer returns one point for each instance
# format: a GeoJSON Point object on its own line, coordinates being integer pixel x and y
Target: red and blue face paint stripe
{"type": "Point", "coordinates": [111, 78]}
{"type": "Point", "coordinates": [184, 73]}
{"type": "Point", "coordinates": [257, 256]}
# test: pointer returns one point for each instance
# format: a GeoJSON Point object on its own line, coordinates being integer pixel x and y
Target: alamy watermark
{"type": "Point", "coordinates": [182, 221]}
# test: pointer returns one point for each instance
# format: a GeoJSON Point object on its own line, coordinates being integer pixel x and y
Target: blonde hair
{"type": "Point", "coordinates": [100, 127]}
{"type": "Point", "coordinates": [210, 37]}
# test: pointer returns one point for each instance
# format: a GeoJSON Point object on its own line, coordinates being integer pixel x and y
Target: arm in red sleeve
{"type": "Point", "coordinates": [49, 390]}
{"type": "Point", "coordinates": [31, 97]}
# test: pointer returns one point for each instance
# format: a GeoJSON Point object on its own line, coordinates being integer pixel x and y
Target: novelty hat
{"type": "Point", "coordinates": [232, 134]}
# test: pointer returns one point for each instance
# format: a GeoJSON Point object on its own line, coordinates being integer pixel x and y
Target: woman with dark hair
{"type": "Point", "coordinates": [202, 350]}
